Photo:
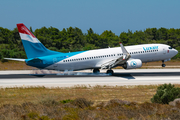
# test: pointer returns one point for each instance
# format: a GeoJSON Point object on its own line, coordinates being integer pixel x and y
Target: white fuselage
{"type": "Point", "coordinates": [95, 58]}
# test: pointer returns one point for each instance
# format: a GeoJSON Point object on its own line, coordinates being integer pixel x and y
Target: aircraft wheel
{"type": "Point", "coordinates": [163, 65]}
{"type": "Point", "coordinates": [96, 71]}
{"type": "Point", "coordinates": [110, 72]}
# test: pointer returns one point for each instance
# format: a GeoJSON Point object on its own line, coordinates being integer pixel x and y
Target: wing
{"type": "Point", "coordinates": [120, 60]}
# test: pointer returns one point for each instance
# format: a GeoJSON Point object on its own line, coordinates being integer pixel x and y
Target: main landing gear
{"type": "Point", "coordinates": [163, 65]}
{"type": "Point", "coordinates": [110, 72]}
{"type": "Point", "coordinates": [96, 71]}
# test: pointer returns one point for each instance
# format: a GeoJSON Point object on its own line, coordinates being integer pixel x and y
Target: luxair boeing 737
{"type": "Point", "coordinates": [129, 57]}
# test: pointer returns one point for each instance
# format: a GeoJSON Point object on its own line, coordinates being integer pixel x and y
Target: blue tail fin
{"type": "Point", "coordinates": [33, 47]}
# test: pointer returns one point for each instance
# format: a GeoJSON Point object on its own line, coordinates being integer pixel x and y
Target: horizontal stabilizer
{"type": "Point", "coordinates": [16, 59]}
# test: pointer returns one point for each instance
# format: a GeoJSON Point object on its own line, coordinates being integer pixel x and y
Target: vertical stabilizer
{"type": "Point", "coordinates": [33, 47]}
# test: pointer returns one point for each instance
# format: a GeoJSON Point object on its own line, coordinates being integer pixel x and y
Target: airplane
{"type": "Point", "coordinates": [129, 57]}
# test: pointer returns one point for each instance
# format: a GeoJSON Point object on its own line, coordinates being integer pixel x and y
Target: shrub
{"type": "Point", "coordinates": [66, 101]}
{"type": "Point", "coordinates": [165, 93]}
{"type": "Point", "coordinates": [49, 102]}
{"type": "Point", "coordinates": [32, 115]}
{"type": "Point", "coordinates": [82, 103]}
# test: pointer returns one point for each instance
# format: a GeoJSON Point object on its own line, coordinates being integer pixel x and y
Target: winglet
{"type": "Point", "coordinates": [123, 49]}
{"type": "Point", "coordinates": [126, 55]}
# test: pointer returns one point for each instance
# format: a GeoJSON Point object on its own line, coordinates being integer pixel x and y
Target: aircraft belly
{"type": "Point", "coordinates": [73, 65]}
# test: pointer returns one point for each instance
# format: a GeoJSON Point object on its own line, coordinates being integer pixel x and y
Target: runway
{"type": "Point", "coordinates": [70, 79]}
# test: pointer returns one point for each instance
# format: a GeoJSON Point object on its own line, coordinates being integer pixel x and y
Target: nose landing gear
{"type": "Point", "coordinates": [163, 65]}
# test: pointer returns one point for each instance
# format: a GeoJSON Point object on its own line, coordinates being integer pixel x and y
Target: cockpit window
{"type": "Point", "coordinates": [170, 47]}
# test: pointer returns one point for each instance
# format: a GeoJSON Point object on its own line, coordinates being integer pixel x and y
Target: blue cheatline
{"type": "Point", "coordinates": [39, 56]}
{"type": "Point", "coordinates": [45, 61]}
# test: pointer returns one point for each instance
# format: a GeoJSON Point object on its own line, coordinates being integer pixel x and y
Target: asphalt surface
{"type": "Point", "coordinates": [17, 76]}
{"type": "Point", "coordinates": [69, 79]}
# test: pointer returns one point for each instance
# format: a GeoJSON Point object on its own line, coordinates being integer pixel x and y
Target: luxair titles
{"type": "Point", "coordinates": [150, 48]}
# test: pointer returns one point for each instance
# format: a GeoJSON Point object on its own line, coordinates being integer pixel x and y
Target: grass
{"type": "Point", "coordinates": [14, 65]}
{"type": "Point", "coordinates": [96, 93]}
{"type": "Point", "coordinates": [83, 102]}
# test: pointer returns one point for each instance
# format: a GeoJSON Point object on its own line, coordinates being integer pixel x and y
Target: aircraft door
{"type": "Point", "coordinates": [55, 63]}
{"type": "Point", "coordinates": [164, 51]}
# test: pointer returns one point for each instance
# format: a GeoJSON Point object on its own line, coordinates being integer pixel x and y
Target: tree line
{"type": "Point", "coordinates": [73, 39]}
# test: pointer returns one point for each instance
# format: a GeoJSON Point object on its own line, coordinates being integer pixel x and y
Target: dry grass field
{"type": "Point", "coordinates": [84, 103]}
{"type": "Point", "coordinates": [14, 65]}
{"type": "Point", "coordinates": [97, 94]}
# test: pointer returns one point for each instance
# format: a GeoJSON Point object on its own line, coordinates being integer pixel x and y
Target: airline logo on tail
{"type": "Point", "coordinates": [33, 47]}
{"type": "Point", "coordinates": [26, 34]}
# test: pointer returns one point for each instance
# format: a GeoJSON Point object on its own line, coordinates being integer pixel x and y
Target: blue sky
{"type": "Point", "coordinates": [100, 15]}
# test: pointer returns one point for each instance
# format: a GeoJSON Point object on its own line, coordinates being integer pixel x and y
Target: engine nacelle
{"type": "Point", "coordinates": [132, 64]}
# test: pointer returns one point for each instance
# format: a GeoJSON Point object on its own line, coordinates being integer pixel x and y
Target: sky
{"type": "Point", "coordinates": [100, 15]}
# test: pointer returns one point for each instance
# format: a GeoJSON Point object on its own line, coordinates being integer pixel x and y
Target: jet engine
{"type": "Point", "coordinates": [132, 64]}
